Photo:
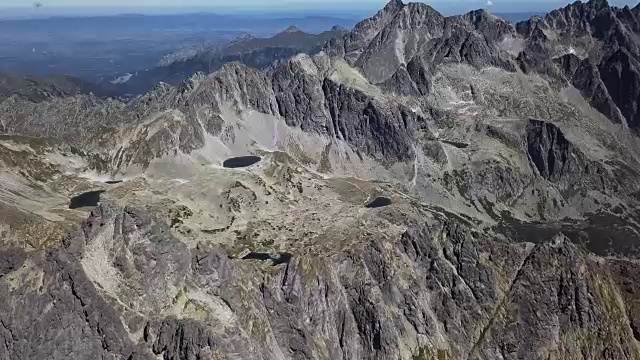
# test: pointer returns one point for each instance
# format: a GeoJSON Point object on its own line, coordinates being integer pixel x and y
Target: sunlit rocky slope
{"type": "Point", "coordinates": [426, 187]}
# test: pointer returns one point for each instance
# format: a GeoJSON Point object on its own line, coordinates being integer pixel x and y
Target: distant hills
{"type": "Point", "coordinates": [35, 88]}
{"type": "Point", "coordinates": [92, 48]}
{"type": "Point", "coordinates": [252, 51]}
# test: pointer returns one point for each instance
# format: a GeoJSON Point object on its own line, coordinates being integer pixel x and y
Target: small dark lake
{"type": "Point", "coordinates": [111, 182]}
{"type": "Point", "coordinates": [241, 161]}
{"type": "Point", "coordinates": [378, 202]}
{"type": "Point", "coordinates": [91, 198]}
{"type": "Point", "coordinates": [282, 258]}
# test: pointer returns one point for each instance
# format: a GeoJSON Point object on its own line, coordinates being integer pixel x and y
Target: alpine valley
{"type": "Point", "coordinates": [418, 187]}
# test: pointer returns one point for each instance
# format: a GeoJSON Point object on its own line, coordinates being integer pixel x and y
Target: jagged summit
{"type": "Point", "coordinates": [481, 18]}
{"type": "Point", "coordinates": [402, 36]}
{"type": "Point", "coordinates": [393, 5]}
{"type": "Point", "coordinates": [574, 15]}
{"type": "Point", "coordinates": [598, 4]}
{"type": "Point", "coordinates": [243, 37]}
{"type": "Point", "coordinates": [481, 14]}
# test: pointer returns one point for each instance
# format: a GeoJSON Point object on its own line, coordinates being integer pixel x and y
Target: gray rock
{"type": "Point", "coordinates": [52, 310]}
{"type": "Point", "coordinates": [585, 76]}
{"type": "Point", "coordinates": [620, 73]}
{"type": "Point", "coordinates": [477, 295]}
{"type": "Point", "coordinates": [559, 161]}
{"type": "Point", "coordinates": [369, 125]}
{"type": "Point", "coordinates": [412, 280]}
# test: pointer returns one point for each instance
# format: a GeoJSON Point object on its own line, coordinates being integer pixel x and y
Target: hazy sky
{"type": "Point", "coordinates": [247, 3]}
{"type": "Point", "coordinates": [188, 3]}
{"type": "Point", "coordinates": [442, 5]}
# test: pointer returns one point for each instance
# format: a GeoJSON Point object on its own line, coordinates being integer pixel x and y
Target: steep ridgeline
{"type": "Point", "coordinates": [425, 187]}
{"type": "Point", "coordinates": [416, 38]}
{"type": "Point", "coordinates": [591, 45]}
{"type": "Point", "coordinates": [296, 90]}
{"type": "Point", "coordinates": [252, 51]}
{"type": "Point", "coordinates": [596, 48]}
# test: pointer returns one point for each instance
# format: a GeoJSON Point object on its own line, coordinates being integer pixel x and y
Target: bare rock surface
{"type": "Point", "coordinates": [503, 157]}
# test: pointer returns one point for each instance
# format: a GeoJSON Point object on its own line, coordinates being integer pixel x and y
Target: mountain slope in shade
{"type": "Point", "coordinates": [426, 187]}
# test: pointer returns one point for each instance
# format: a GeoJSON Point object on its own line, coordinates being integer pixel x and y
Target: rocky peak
{"type": "Point", "coordinates": [422, 12]}
{"type": "Point", "coordinates": [414, 17]}
{"type": "Point", "coordinates": [387, 42]}
{"type": "Point", "coordinates": [479, 15]}
{"type": "Point", "coordinates": [598, 4]}
{"type": "Point", "coordinates": [491, 26]}
{"type": "Point", "coordinates": [581, 8]}
{"type": "Point", "coordinates": [363, 32]}
{"type": "Point", "coordinates": [292, 29]}
{"type": "Point", "coordinates": [393, 6]}
{"type": "Point", "coordinates": [388, 12]}
{"type": "Point", "coordinates": [577, 19]}
{"type": "Point", "coordinates": [608, 37]}
{"type": "Point", "coordinates": [243, 38]}
{"type": "Point", "coordinates": [631, 17]}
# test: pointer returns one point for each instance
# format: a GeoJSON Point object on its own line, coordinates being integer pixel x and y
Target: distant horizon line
{"type": "Point", "coordinates": [125, 10]}
{"type": "Point", "coordinates": [20, 14]}
{"type": "Point", "coordinates": [329, 6]}
{"type": "Point", "coordinates": [58, 7]}
{"type": "Point", "coordinates": [344, 15]}
{"type": "Point", "coordinates": [346, 10]}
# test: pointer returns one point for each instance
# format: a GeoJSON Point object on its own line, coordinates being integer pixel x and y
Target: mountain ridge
{"type": "Point", "coordinates": [505, 165]}
{"type": "Point", "coordinates": [253, 51]}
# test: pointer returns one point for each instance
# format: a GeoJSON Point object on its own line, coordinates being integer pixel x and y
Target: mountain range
{"type": "Point", "coordinates": [252, 51]}
{"type": "Point", "coordinates": [418, 187]}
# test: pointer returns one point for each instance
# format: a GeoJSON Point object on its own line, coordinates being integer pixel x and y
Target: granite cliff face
{"type": "Point", "coordinates": [426, 187]}
{"type": "Point", "coordinates": [605, 39]}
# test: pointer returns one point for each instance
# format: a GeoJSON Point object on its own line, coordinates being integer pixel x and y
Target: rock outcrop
{"type": "Point", "coordinates": [560, 162]}
{"type": "Point", "coordinates": [604, 39]}
{"type": "Point", "coordinates": [447, 292]}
